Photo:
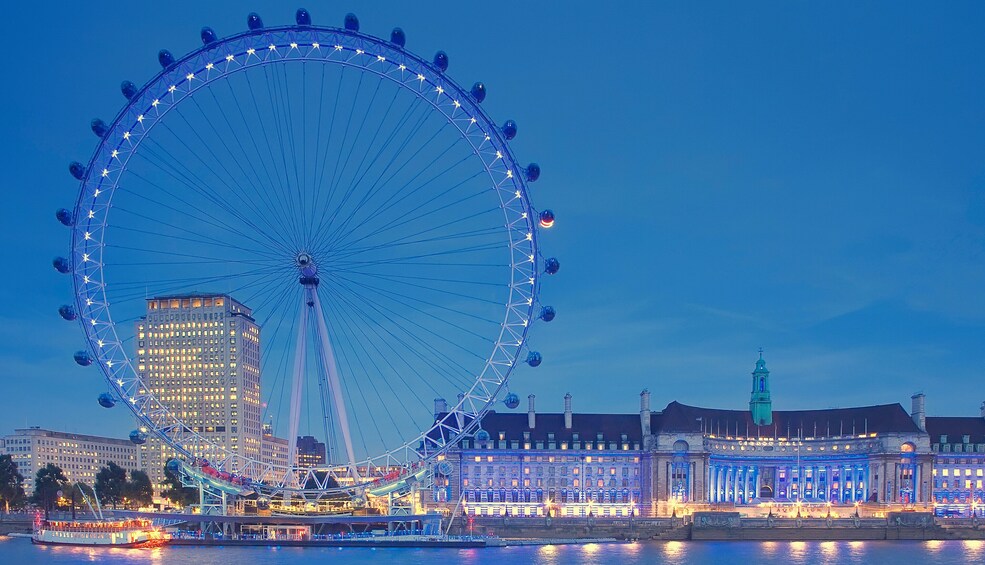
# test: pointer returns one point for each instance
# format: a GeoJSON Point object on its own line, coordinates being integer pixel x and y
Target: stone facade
{"type": "Point", "coordinates": [685, 458]}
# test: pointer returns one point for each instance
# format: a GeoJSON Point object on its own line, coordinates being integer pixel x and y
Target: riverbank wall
{"type": "Point", "coordinates": [722, 526]}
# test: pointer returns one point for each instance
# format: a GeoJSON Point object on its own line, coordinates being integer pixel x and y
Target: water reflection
{"type": "Point", "coordinates": [856, 549]}
{"type": "Point", "coordinates": [669, 552]}
{"type": "Point", "coordinates": [974, 550]}
{"type": "Point", "coordinates": [546, 554]}
{"type": "Point", "coordinates": [829, 549]}
{"type": "Point", "coordinates": [798, 551]}
{"type": "Point", "coordinates": [674, 549]}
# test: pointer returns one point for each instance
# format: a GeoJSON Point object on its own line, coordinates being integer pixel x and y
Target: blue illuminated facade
{"type": "Point", "coordinates": [560, 464]}
{"type": "Point", "coordinates": [686, 458]}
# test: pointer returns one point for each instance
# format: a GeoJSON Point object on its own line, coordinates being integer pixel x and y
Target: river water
{"type": "Point", "coordinates": [14, 551]}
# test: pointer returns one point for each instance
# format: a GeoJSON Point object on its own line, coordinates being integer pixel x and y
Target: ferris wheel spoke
{"type": "Point", "coordinates": [370, 224]}
{"type": "Point", "coordinates": [227, 179]}
{"type": "Point", "coordinates": [151, 157]}
{"type": "Point", "coordinates": [380, 184]}
{"type": "Point", "coordinates": [402, 190]}
{"type": "Point", "coordinates": [412, 259]}
{"type": "Point", "coordinates": [199, 214]}
{"type": "Point", "coordinates": [203, 240]}
{"type": "Point", "coordinates": [437, 290]}
{"type": "Point", "coordinates": [405, 282]}
{"type": "Point", "coordinates": [289, 128]}
{"type": "Point", "coordinates": [406, 240]}
{"type": "Point", "coordinates": [333, 183]}
{"type": "Point", "coordinates": [360, 430]}
{"type": "Point", "coordinates": [277, 106]}
{"type": "Point", "coordinates": [355, 379]}
{"type": "Point", "coordinates": [398, 316]}
{"type": "Point", "coordinates": [409, 341]}
{"type": "Point", "coordinates": [424, 351]}
{"type": "Point", "coordinates": [319, 178]}
{"type": "Point", "coordinates": [268, 358]}
{"type": "Point", "coordinates": [275, 205]}
{"type": "Point", "coordinates": [339, 174]}
{"type": "Point", "coordinates": [157, 289]}
{"type": "Point", "coordinates": [267, 137]}
{"type": "Point", "coordinates": [249, 174]}
{"type": "Point", "coordinates": [360, 172]}
{"type": "Point", "coordinates": [325, 221]}
{"type": "Point", "coordinates": [403, 299]}
{"type": "Point", "coordinates": [359, 323]}
{"type": "Point", "coordinates": [204, 259]}
{"type": "Point", "coordinates": [196, 279]}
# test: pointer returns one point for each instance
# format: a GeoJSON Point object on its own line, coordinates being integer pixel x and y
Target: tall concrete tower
{"type": "Point", "coordinates": [200, 355]}
{"type": "Point", "coordinates": [760, 405]}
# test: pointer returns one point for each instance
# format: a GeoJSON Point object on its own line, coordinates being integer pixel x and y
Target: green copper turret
{"type": "Point", "coordinates": [760, 405]}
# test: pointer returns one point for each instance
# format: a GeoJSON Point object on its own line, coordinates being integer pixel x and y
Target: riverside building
{"type": "Point", "coordinates": [79, 456]}
{"type": "Point", "coordinates": [561, 464]}
{"type": "Point", "coordinates": [684, 458]}
{"type": "Point", "coordinates": [199, 354]}
{"type": "Point", "coordinates": [958, 445]}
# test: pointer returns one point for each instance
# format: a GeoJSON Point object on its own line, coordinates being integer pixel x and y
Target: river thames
{"type": "Point", "coordinates": [19, 550]}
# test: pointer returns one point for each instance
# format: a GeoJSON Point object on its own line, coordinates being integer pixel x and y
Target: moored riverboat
{"type": "Point", "coordinates": [120, 533]}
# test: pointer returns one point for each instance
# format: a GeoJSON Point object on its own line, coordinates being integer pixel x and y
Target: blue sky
{"type": "Point", "coordinates": [803, 177]}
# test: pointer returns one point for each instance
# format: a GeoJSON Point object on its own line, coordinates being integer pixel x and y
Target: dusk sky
{"type": "Point", "coordinates": [805, 178]}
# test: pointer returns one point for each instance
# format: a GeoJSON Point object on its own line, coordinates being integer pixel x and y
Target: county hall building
{"type": "Point", "coordinates": [685, 458]}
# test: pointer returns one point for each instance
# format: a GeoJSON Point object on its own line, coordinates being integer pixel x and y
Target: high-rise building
{"type": "Point", "coordinates": [79, 456]}
{"type": "Point", "coordinates": [199, 354]}
{"type": "Point", "coordinates": [311, 452]}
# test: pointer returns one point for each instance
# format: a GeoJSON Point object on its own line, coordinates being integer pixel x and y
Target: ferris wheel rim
{"type": "Point", "coordinates": [461, 416]}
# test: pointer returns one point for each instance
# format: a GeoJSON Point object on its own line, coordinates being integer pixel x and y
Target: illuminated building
{"type": "Point", "coordinates": [199, 354]}
{"type": "Point", "coordinates": [840, 456]}
{"type": "Point", "coordinates": [533, 464]}
{"type": "Point", "coordinates": [958, 444]}
{"type": "Point", "coordinates": [311, 452]}
{"type": "Point", "coordinates": [686, 457]}
{"type": "Point", "coordinates": [273, 449]}
{"type": "Point", "coordinates": [79, 456]}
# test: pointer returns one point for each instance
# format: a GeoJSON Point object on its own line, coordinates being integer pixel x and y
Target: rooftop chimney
{"type": "Point", "coordinates": [918, 412]}
{"type": "Point", "coordinates": [531, 415]}
{"type": "Point", "coordinates": [567, 411]}
{"type": "Point", "coordinates": [645, 411]}
{"type": "Point", "coordinates": [440, 407]}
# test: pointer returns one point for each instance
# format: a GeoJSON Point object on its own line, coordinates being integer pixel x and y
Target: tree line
{"type": "Point", "coordinates": [53, 490]}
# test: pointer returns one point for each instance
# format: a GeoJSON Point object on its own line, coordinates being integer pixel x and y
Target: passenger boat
{"type": "Point", "coordinates": [121, 533]}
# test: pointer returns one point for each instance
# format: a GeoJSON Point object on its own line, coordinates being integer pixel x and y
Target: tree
{"type": "Point", "coordinates": [176, 492]}
{"type": "Point", "coordinates": [11, 483]}
{"type": "Point", "coordinates": [49, 480]}
{"type": "Point", "coordinates": [111, 484]}
{"type": "Point", "coordinates": [139, 491]}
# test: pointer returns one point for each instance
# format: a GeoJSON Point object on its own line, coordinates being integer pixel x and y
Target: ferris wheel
{"type": "Point", "coordinates": [312, 229]}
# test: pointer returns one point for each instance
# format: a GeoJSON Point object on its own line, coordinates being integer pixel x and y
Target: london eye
{"type": "Point", "coordinates": [361, 214]}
